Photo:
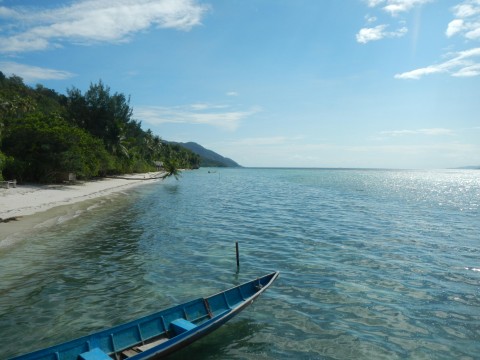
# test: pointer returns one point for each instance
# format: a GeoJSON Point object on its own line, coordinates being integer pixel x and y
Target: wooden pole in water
{"type": "Point", "coordinates": [238, 256]}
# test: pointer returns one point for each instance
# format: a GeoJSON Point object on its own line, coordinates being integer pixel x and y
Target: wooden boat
{"type": "Point", "coordinates": [162, 333]}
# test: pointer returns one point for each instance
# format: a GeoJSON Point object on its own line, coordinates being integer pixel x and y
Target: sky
{"type": "Point", "coordinates": [271, 83]}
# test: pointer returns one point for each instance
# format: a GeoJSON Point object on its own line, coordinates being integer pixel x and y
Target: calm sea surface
{"type": "Point", "coordinates": [374, 264]}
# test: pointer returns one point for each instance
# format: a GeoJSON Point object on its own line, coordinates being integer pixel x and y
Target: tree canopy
{"type": "Point", "coordinates": [44, 135]}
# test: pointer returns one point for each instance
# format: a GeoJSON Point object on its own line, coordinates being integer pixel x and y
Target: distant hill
{"type": "Point", "coordinates": [470, 167]}
{"type": "Point", "coordinates": [209, 158]}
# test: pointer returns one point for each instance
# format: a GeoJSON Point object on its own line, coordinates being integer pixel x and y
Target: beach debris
{"type": "Point", "coordinates": [7, 184]}
{"type": "Point", "coordinates": [13, 218]}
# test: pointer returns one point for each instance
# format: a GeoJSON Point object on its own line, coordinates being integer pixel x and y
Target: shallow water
{"type": "Point", "coordinates": [374, 264]}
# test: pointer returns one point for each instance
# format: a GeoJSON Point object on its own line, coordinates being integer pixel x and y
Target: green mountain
{"type": "Point", "coordinates": [209, 158]}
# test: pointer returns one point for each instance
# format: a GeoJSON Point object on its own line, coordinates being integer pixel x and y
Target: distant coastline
{"type": "Point", "coordinates": [469, 167]}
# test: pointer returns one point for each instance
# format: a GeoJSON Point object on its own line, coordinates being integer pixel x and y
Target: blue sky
{"type": "Point", "coordinates": [303, 83]}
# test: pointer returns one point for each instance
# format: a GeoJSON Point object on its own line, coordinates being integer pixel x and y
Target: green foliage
{"type": "Point", "coordinates": [3, 162]}
{"type": "Point", "coordinates": [103, 115]}
{"type": "Point", "coordinates": [171, 169]}
{"type": "Point", "coordinates": [184, 158]}
{"type": "Point", "coordinates": [45, 148]}
{"type": "Point", "coordinates": [45, 135]}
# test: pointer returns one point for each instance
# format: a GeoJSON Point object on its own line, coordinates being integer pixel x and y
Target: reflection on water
{"type": "Point", "coordinates": [374, 264]}
{"type": "Point", "coordinates": [230, 342]}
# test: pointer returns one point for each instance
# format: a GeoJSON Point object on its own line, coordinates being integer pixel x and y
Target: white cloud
{"type": "Point", "coordinates": [371, 34]}
{"type": "Point", "coordinates": [206, 106]}
{"type": "Point", "coordinates": [467, 20]}
{"type": "Point", "coordinates": [373, 3]}
{"type": "Point", "coordinates": [474, 34]}
{"type": "Point", "coordinates": [418, 73]}
{"type": "Point", "coordinates": [454, 27]}
{"type": "Point", "coordinates": [463, 64]}
{"type": "Point", "coordinates": [467, 8]}
{"type": "Point", "coordinates": [399, 6]}
{"type": "Point", "coordinates": [378, 32]}
{"type": "Point", "coordinates": [6, 12]}
{"type": "Point", "coordinates": [394, 7]}
{"type": "Point", "coordinates": [262, 141]}
{"type": "Point", "coordinates": [282, 151]}
{"type": "Point", "coordinates": [89, 21]}
{"type": "Point", "coordinates": [232, 93]}
{"type": "Point", "coordinates": [427, 132]}
{"type": "Point", "coordinates": [194, 114]}
{"type": "Point", "coordinates": [468, 71]}
{"type": "Point", "coordinates": [33, 73]}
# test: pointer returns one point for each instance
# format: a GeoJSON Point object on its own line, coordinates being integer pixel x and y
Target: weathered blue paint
{"type": "Point", "coordinates": [94, 354]}
{"type": "Point", "coordinates": [181, 325]}
{"type": "Point", "coordinates": [162, 333]}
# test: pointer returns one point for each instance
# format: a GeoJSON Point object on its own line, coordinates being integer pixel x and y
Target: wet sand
{"type": "Point", "coordinates": [27, 207]}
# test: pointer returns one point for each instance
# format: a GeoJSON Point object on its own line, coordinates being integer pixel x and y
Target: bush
{"type": "Point", "coordinates": [44, 148]}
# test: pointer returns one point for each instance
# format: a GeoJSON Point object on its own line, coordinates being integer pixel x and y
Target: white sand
{"type": "Point", "coordinates": [29, 199]}
{"type": "Point", "coordinates": [30, 208]}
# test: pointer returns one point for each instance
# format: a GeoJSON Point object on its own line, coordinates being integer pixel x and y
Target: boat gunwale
{"type": "Point", "coordinates": [171, 344]}
{"type": "Point", "coordinates": [207, 327]}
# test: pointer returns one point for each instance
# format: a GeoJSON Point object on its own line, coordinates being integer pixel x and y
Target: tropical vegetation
{"type": "Point", "coordinates": [45, 135]}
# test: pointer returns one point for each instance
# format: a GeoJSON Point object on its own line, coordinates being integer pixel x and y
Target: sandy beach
{"type": "Point", "coordinates": [17, 205]}
{"type": "Point", "coordinates": [30, 199]}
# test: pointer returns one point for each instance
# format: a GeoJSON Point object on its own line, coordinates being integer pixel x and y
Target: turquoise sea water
{"type": "Point", "coordinates": [374, 264]}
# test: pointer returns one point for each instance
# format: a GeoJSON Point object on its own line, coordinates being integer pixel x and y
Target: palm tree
{"type": "Point", "coordinates": [171, 169]}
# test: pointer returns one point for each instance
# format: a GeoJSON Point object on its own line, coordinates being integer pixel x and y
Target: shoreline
{"type": "Point", "coordinates": [27, 206]}
{"type": "Point", "coordinates": [31, 199]}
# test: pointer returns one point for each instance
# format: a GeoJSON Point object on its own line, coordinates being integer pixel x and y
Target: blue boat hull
{"type": "Point", "coordinates": [162, 333]}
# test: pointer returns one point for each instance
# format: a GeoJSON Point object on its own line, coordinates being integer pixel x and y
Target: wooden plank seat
{"type": "Point", "coordinates": [150, 345]}
{"type": "Point", "coordinates": [129, 353]}
{"type": "Point", "coordinates": [138, 349]}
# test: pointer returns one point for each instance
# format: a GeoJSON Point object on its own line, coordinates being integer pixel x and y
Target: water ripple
{"type": "Point", "coordinates": [374, 264]}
